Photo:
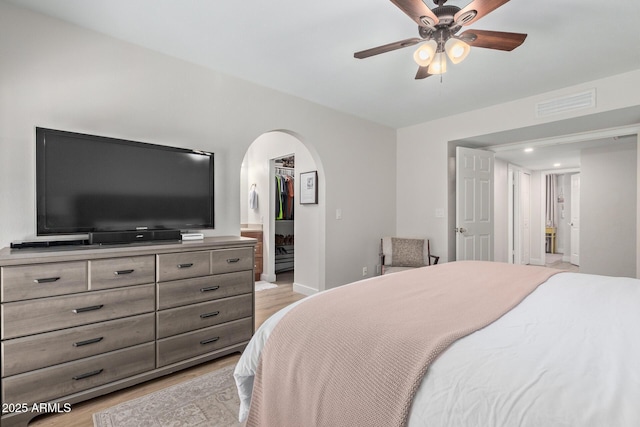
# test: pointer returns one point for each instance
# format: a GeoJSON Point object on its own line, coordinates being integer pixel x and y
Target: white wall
{"type": "Point", "coordinates": [309, 218]}
{"type": "Point", "coordinates": [57, 75]}
{"type": "Point", "coordinates": [500, 211]}
{"type": "Point", "coordinates": [608, 192]}
{"type": "Point", "coordinates": [422, 183]}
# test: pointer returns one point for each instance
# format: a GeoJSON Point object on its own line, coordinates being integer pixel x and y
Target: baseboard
{"type": "Point", "coordinates": [268, 277]}
{"type": "Point", "coordinates": [304, 290]}
{"type": "Point", "coordinates": [536, 261]}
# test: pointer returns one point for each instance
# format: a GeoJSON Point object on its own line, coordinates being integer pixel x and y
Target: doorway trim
{"type": "Point", "coordinates": [516, 234]}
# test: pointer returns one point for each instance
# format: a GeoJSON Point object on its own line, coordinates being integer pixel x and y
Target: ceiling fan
{"type": "Point", "coordinates": [438, 29]}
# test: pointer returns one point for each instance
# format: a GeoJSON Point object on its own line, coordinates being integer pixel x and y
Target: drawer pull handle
{"type": "Point", "coordinates": [187, 265]}
{"type": "Point", "coordinates": [87, 342]}
{"type": "Point", "coordinates": [47, 280]}
{"type": "Point", "coordinates": [209, 289]}
{"type": "Point", "coordinates": [233, 260]}
{"type": "Point", "coordinates": [209, 341]}
{"type": "Point", "coordinates": [85, 309]}
{"type": "Point", "coordinates": [88, 374]}
{"type": "Point", "coordinates": [121, 272]}
{"type": "Point", "coordinates": [204, 316]}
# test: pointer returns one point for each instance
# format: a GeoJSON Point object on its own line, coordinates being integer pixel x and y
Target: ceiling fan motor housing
{"type": "Point", "coordinates": [445, 28]}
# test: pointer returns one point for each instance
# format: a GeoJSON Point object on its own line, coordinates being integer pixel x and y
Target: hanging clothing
{"type": "Point", "coordinates": [284, 197]}
{"type": "Point", "coordinates": [279, 200]}
{"type": "Point", "coordinates": [253, 197]}
{"type": "Point", "coordinates": [290, 187]}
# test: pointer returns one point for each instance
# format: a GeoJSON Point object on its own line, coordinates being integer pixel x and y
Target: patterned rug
{"type": "Point", "coordinates": [207, 401]}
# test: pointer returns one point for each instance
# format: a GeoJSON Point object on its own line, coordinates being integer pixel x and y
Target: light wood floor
{"type": "Point", "coordinates": [555, 261]}
{"type": "Point", "coordinates": [267, 302]}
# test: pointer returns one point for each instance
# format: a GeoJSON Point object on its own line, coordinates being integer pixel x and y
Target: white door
{"type": "Point", "coordinates": [575, 219]}
{"type": "Point", "coordinates": [474, 204]}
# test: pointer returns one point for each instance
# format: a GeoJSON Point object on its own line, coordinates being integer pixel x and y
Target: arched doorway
{"type": "Point", "coordinates": [307, 224]}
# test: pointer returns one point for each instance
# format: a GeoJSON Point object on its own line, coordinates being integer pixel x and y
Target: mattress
{"type": "Point", "coordinates": [568, 355]}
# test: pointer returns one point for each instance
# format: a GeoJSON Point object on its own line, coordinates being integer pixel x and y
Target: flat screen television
{"type": "Point", "coordinates": [88, 183]}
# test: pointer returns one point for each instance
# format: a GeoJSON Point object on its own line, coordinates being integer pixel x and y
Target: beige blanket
{"type": "Point", "coordinates": [356, 355]}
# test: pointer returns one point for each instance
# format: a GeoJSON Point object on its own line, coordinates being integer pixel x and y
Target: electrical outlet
{"type": "Point", "coordinates": [364, 271]}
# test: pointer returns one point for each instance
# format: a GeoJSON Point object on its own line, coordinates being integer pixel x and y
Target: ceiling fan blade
{"type": "Point", "coordinates": [422, 73]}
{"type": "Point", "coordinates": [493, 39]}
{"type": "Point", "coordinates": [386, 48]}
{"type": "Point", "coordinates": [482, 7]}
{"type": "Point", "coordinates": [416, 10]}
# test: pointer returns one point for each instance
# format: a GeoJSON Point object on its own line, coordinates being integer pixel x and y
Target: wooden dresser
{"type": "Point", "coordinates": [85, 321]}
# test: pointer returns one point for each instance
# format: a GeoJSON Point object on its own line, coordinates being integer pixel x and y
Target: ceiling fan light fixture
{"type": "Point", "coordinates": [425, 53]}
{"type": "Point", "coordinates": [457, 50]}
{"type": "Point", "coordinates": [439, 64]}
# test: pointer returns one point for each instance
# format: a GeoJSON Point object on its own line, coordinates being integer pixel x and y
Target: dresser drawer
{"type": "Point", "coordinates": [117, 272]}
{"type": "Point", "coordinates": [197, 316]}
{"type": "Point", "coordinates": [62, 380]}
{"type": "Point", "coordinates": [48, 314]}
{"type": "Point", "coordinates": [52, 348]}
{"type": "Point", "coordinates": [229, 260]}
{"type": "Point", "coordinates": [202, 341]}
{"type": "Point", "coordinates": [183, 265]}
{"type": "Point", "coordinates": [190, 291]}
{"type": "Point", "coordinates": [43, 280]}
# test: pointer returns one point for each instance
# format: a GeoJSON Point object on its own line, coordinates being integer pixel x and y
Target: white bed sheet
{"type": "Point", "coordinates": [568, 355]}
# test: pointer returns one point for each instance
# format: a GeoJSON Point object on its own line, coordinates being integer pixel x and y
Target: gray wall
{"type": "Point", "coordinates": [608, 189]}
{"type": "Point", "coordinates": [54, 74]}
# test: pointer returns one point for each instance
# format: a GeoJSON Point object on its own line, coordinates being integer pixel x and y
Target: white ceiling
{"type": "Point", "coordinates": [306, 49]}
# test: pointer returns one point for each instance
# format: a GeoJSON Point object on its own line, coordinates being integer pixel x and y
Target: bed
{"type": "Point", "coordinates": [566, 354]}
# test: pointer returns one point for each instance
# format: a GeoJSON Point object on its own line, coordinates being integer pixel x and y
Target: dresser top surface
{"type": "Point", "coordinates": [10, 256]}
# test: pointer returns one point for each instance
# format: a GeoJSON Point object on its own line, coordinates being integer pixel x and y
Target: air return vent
{"type": "Point", "coordinates": [565, 104]}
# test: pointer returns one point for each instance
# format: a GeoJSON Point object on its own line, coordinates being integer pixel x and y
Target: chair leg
{"type": "Point", "coordinates": [381, 259]}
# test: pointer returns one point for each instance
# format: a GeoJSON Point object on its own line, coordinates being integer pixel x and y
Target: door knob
{"type": "Point", "coordinates": [461, 230]}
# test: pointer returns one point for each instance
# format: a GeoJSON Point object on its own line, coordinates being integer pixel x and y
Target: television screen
{"type": "Point", "coordinates": [88, 183]}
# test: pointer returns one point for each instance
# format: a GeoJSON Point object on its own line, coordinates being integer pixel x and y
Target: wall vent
{"type": "Point", "coordinates": [565, 104]}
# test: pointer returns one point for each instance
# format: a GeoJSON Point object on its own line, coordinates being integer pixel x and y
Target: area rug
{"type": "Point", "coordinates": [207, 401]}
{"type": "Point", "coordinates": [262, 285]}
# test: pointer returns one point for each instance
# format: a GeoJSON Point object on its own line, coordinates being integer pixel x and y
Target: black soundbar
{"type": "Point", "coordinates": [116, 237]}
{"type": "Point", "coordinates": [47, 243]}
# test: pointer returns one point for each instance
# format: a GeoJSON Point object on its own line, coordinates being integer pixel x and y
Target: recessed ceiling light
{"type": "Point", "coordinates": [528, 150]}
{"type": "Point", "coordinates": [557, 165]}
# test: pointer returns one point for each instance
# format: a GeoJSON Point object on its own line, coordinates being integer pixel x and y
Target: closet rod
{"type": "Point", "coordinates": [284, 171]}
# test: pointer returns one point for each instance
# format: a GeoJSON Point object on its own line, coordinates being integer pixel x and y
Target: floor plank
{"type": "Point", "coordinates": [267, 302]}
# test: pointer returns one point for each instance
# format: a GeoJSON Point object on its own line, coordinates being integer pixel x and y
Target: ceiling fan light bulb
{"type": "Point", "coordinates": [439, 64]}
{"type": "Point", "coordinates": [425, 53]}
{"type": "Point", "coordinates": [457, 50]}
